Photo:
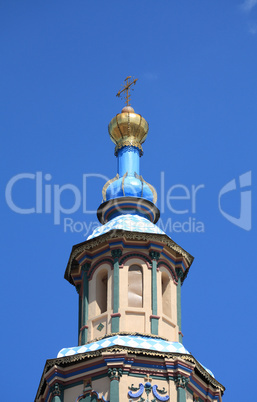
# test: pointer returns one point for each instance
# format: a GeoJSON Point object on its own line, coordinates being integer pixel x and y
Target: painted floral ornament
{"type": "Point", "coordinates": [147, 388]}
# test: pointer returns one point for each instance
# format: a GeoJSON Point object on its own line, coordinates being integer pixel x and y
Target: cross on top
{"type": "Point", "coordinates": [127, 88]}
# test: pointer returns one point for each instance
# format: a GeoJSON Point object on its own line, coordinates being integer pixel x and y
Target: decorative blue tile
{"type": "Point", "coordinates": [140, 342]}
{"type": "Point", "coordinates": [133, 341]}
{"type": "Point", "coordinates": [132, 223]}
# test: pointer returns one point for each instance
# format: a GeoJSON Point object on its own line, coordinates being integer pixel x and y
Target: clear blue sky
{"type": "Point", "coordinates": [62, 62]}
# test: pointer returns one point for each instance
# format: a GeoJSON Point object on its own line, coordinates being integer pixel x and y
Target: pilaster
{"type": "Point", "coordinates": [78, 289]}
{"type": "Point", "coordinates": [179, 273]}
{"type": "Point", "coordinates": [114, 375]}
{"type": "Point", "coordinates": [57, 392]}
{"type": "Point", "coordinates": [115, 326]}
{"type": "Point", "coordinates": [154, 255]}
{"type": "Point", "coordinates": [84, 327]}
{"type": "Point", "coordinates": [181, 383]}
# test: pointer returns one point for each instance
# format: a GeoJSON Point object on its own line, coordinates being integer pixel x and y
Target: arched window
{"type": "Point", "coordinates": [166, 294]}
{"type": "Point", "coordinates": [101, 291]}
{"type": "Point", "coordinates": [135, 286]}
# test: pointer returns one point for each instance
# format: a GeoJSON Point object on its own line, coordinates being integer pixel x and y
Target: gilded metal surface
{"type": "Point", "coordinates": [131, 143]}
{"type": "Point", "coordinates": [128, 129]}
{"type": "Point", "coordinates": [126, 88]}
{"type": "Point", "coordinates": [149, 185]}
{"type": "Point", "coordinates": [122, 185]}
{"type": "Point", "coordinates": [126, 126]}
{"type": "Point", "coordinates": [107, 185]}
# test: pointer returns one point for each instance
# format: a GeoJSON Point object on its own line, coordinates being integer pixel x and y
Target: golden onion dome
{"type": "Point", "coordinates": [128, 129]}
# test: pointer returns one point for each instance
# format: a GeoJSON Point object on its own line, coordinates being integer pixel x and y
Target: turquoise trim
{"type": "Point", "coordinates": [87, 398]}
{"type": "Point", "coordinates": [56, 392]}
{"type": "Point", "coordinates": [116, 287]}
{"type": "Point", "coordinates": [154, 255]}
{"type": "Point", "coordinates": [116, 254]}
{"type": "Point", "coordinates": [80, 315]}
{"type": "Point", "coordinates": [179, 309]}
{"type": "Point", "coordinates": [179, 274]}
{"type": "Point", "coordinates": [114, 391]}
{"type": "Point", "coordinates": [74, 384]}
{"type": "Point", "coordinates": [154, 326]}
{"type": "Point", "coordinates": [56, 399]}
{"type": "Point", "coordinates": [181, 394]}
{"type": "Point", "coordinates": [84, 332]}
{"type": "Point", "coordinates": [154, 287]}
{"type": "Point", "coordinates": [115, 324]}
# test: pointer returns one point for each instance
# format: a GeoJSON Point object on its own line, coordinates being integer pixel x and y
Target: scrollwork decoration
{"type": "Point", "coordinates": [160, 391]}
{"type": "Point", "coordinates": [139, 390]}
{"type": "Point", "coordinates": [147, 388]}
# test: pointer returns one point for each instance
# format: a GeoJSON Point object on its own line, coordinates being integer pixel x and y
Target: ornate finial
{"type": "Point", "coordinates": [127, 88]}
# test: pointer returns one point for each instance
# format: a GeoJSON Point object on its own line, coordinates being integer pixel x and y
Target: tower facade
{"type": "Point", "coordinates": [128, 276]}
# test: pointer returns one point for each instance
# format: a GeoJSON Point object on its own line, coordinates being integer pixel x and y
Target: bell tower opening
{"type": "Point", "coordinates": [135, 286]}
{"type": "Point", "coordinates": [166, 294]}
{"type": "Point", "coordinates": [101, 291]}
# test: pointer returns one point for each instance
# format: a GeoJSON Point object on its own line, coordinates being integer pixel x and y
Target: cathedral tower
{"type": "Point", "coordinates": [128, 275]}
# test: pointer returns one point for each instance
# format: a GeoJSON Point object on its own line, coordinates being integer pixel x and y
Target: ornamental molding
{"type": "Point", "coordinates": [86, 267]}
{"type": "Point", "coordinates": [114, 373]}
{"type": "Point", "coordinates": [199, 368]}
{"type": "Point", "coordinates": [59, 363]}
{"type": "Point", "coordinates": [130, 144]}
{"type": "Point", "coordinates": [130, 334]}
{"type": "Point", "coordinates": [137, 255]}
{"type": "Point", "coordinates": [170, 269]}
{"type": "Point", "coordinates": [136, 392]}
{"type": "Point", "coordinates": [94, 267]}
{"type": "Point", "coordinates": [56, 389]}
{"type": "Point", "coordinates": [179, 272]}
{"type": "Point", "coordinates": [116, 254]}
{"type": "Point", "coordinates": [127, 235]}
{"type": "Point", "coordinates": [120, 204]}
{"type": "Point", "coordinates": [154, 255]}
{"type": "Point", "coordinates": [181, 381]}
